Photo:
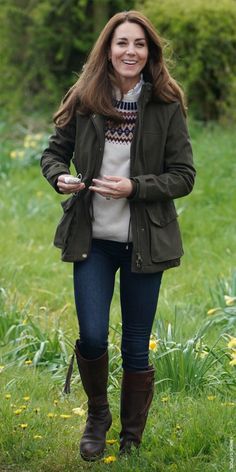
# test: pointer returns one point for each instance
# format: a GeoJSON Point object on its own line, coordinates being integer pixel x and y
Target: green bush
{"type": "Point", "coordinates": [43, 46]}
{"type": "Point", "coordinates": [202, 34]}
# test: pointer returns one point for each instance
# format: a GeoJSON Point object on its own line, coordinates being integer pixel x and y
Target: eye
{"type": "Point", "coordinates": [140, 45]}
{"type": "Point", "coordinates": [121, 43]}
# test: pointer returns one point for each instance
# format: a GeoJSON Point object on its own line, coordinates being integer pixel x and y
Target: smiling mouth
{"type": "Point", "coordinates": [130, 63]}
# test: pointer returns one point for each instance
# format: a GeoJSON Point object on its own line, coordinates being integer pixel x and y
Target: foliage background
{"type": "Point", "coordinates": [45, 43]}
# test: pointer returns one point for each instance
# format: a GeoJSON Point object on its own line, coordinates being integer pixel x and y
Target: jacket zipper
{"type": "Point", "coordinates": [139, 259]}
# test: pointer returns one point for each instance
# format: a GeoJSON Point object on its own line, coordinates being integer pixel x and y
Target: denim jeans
{"type": "Point", "coordinates": [94, 281]}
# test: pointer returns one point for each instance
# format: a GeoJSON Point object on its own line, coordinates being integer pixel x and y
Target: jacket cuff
{"type": "Point", "coordinates": [134, 189]}
{"type": "Point", "coordinates": [53, 181]}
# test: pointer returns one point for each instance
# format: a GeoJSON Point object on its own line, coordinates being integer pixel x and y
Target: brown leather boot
{"type": "Point", "coordinates": [94, 376]}
{"type": "Point", "coordinates": [136, 397]}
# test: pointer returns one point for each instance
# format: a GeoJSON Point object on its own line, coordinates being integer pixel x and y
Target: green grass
{"type": "Point", "coordinates": [185, 430]}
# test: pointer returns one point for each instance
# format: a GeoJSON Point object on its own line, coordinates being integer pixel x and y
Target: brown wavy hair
{"type": "Point", "coordinates": [92, 93]}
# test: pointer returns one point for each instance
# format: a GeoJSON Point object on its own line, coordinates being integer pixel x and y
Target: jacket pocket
{"type": "Point", "coordinates": [63, 228]}
{"type": "Point", "coordinates": [165, 242]}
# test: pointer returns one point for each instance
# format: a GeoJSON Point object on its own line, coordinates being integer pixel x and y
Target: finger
{"type": "Point", "coordinates": [115, 178]}
{"type": "Point", "coordinates": [101, 183]}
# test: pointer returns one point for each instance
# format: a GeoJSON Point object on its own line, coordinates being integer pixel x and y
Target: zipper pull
{"type": "Point", "coordinates": [139, 261]}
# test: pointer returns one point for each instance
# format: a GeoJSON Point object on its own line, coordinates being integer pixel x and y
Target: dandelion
{"type": "Point", "coordinates": [211, 397]}
{"type": "Point", "coordinates": [27, 398]}
{"type": "Point", "coordinates": [65, 416]}
{"type": "Point", "coordinates": [165, 399]}
{"type": "Point", "coordinates": [233, 362]}
{"type": "Point", "coordinates": [232, 343]}
{"type": "Point", "coordinates": [1, 368]}
{"type": "Point", "coordinates": [55, 402]}
{"type": "Point", "coordinates": [38, 436]}
{"type": "Point", "coordinates": [23, 425]}
{"type": "Point", "coordinates": [153, 345]}
{"type": "Point", "coordinates": [78, 411]}
{"type": "Point", "coordinates": [111, 441]}
{"type": "Point", "coordinates": [23, 407]}
{"type": "Point", "coordinates": [18, 411]}
{"type": "Point", "coordinates": [229, 301]}
{"type": "Point", "coordinates": [8, 396]}
{"type": "Point", "coordinates": [36, 410]}
{"type": "Point", "coordinates": [28, 362]}
{"type": "Point", "coordinates": [51, 415]}
{"type": "Point", "coordinates": [109, 459]}
{"type": "Point", "coordinates": [212, 311]}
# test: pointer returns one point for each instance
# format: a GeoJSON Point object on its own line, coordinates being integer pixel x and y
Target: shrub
{"type": "Point", "coordinates": [203, 37]}
{"type": "Point", "coordinates": [43, 47]}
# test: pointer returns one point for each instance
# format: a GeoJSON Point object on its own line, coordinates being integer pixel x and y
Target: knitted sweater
{"type": "Point", "coordinates": [112, 217]}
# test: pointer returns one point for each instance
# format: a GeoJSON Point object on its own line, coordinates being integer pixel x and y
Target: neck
{"type": "Point", "coordinates": [128, 84]}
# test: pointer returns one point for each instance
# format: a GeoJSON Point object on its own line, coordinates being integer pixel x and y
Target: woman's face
{"type": "Point", "coordinates": [128, 53]}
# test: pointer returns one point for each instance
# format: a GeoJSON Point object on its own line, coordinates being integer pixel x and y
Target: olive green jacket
{"type": "Point", "coordinates": [161, 168]}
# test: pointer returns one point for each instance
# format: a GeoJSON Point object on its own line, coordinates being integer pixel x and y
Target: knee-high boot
{"type": "Point", "coordinates": [136, 397]}
{"type": "Point", "coordinates": [94, 377]}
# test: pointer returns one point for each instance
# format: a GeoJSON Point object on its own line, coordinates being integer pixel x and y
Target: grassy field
{"type": "Point", "coordinates": [192, 421]}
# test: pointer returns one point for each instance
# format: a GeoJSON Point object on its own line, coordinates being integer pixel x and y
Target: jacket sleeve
{"type": "Point", "coordinates": [178, 177]}
{"type": "Point", "coordinates": [57, 156]}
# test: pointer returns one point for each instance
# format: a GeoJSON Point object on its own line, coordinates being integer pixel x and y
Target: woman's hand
{"type": "Point", "coordinates": [68, 188]}
{"type": "Point", "coordinates": [111, 186]}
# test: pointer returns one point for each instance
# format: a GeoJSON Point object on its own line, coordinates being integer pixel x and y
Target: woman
{"type": "Point", "coordinates": [124, 124]}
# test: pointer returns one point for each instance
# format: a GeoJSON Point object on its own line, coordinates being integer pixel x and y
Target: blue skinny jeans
{"type": "Point", "coordinates": [94, 281]}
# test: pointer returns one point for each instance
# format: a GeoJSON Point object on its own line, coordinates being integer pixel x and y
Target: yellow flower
{"type": "Point", "coordinates": [212, 311]}
{"type": "Point", "coordinates": [203, 354]}
{"type": "Point", "coordinates": [65, 416]}
{"type": "Point", "coordinates": [8, 396]}
{"type": "Point", "coordinates": [1, 368]}
{"type": "Point", "coordinates": [13, 154]}
{"type": "Point", "coordinates": [51, 415]}
{"type": "Point", "coordinates": [55, 402]}
{"type": "Point", "coordinates": [153, 345]}
{"type": "Point", "coordinates": [38, 136]}
{"type": "Point", "coordinates": [23, 425]}
{"type": "Point", "coordinates": [38, 436]}
{"type": "Point", "coordinates": [36, 410]}
{"type": "Point", "coordinates": [32, 144]}
{"type": "Point", "coordinates": [111, 441]}
{"type": "Point", "coordinates": [211, 397]}
{"type": "Point", "coordinates": [229, 301]}
{"type": "Point", "coordinates": [78, 411]}
{"type": "Point", "coordinates": [28, 362]}
{"type": "Point", "coordinates": [165, 399]}
{"type": "Point", "coordinates": [27, 398]}
{"type": "Point", "coordinates": [18, 411]}
{"type": "Point", "coordinates": [232, 343]}
{"type": "Point", "coordinates": [109, 459]}
{"type": "Point", "coordinates": [23, 407]}
{"type": "Point", "coordinates": [233, 362]}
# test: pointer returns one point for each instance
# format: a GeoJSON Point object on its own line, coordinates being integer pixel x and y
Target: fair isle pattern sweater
{"type": "Point", "coordinates": [112, 217]}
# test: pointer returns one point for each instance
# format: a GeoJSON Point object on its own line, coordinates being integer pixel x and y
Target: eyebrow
{"type": "Point", "coordinates": [136, 39]}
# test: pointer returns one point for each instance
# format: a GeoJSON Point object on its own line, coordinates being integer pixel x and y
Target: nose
{"type": "Point", "coordinates": [130, 49]}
